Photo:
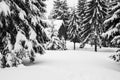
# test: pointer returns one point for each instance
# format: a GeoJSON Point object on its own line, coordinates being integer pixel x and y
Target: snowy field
{"type": "Point", "coordinates": [82, 64]}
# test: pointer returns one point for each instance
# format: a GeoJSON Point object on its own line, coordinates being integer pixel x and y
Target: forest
{"type": "Point", "coordinates": [23, 26]}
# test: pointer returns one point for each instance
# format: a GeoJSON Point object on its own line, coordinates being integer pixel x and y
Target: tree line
{"type": "Point", "coordinates": [95, 22]}
{"type": "Point", "coordinates": [22, 26]}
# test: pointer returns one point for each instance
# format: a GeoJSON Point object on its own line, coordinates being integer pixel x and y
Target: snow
{"type": "Point", "coordinates": [57, 24]}
{"type": "Point", "coordinates": [4, 8]}
{"type": "Point", "coordinates": [34, 20]}
{"type": "Point", "coordinates": [82, 64]}
{"type": "Point", "coordinates": [22, 14]}
{"type": "Point", "coordinates": [116, 6]}
{"type": "Point", "coordinates": [32, 34]}
{"type": "Point", "coordinates": [113, 17]}
{"type": "Point", "coordinates": [110, 32]}
{"type": "Point", "coordinates": [33, 7]}
{"type": "Point", "coordinates": [19, 37]}
{"type": "Point", "coordinates": [118, 25]}
{"type": "Point", "coordinates": [116, 39]}
{"type": "Point", "coordinates": [24, 1]}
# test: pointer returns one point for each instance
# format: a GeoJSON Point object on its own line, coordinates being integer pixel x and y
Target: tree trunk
{"type": "Point", "coordinates": [95, 43]}
{"type": "Point", "coordinates": [74, 45]}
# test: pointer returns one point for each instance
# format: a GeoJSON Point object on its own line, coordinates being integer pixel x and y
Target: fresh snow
{"type": "Point", "coordinates": [34, 20]}
{"type": "Point", "coordinates": [110, 32]}
{"type": "Point", "coordinates": [80, 64]}
{"type": "Point", "coordinates": [22, 15]}
{"type": "Point", "coordinates": [113, 17]}
{"type": "Point", "coordinates": [116, 6]}
{"type": "Point", "coordinates": [116, 39]}
{"type": "Point", "coordinates": [4, 8]}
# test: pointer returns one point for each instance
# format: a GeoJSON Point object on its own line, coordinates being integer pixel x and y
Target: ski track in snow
{"type": "Point", "coordinates": [82, 64]}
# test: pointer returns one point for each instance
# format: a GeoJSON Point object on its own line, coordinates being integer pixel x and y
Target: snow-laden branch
{"type": "Point", "coordinates": [4, 8]}
{"type": "Point", "coordinates": [109, 33]}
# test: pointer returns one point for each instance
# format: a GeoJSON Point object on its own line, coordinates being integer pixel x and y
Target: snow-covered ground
{"type": "Point", "coordinates": [81, 64]}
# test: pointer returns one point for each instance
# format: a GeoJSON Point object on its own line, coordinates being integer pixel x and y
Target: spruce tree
{"type": "Point", "coordinates": [54, 43]}
{"type": "Point", "coordinates": [81, 12]}
{"type": "Point", "coordinates": [92, 27]}
{"type": "Point", "coordinates": [81, 9]}
{"type": "Point", "coordinates": [112, 27]}
{"type": "Point", "coordinates": [21, 30]}
{"type": "Point", "coordinates": [60, 12]}
{"type": "Point", "coordinates": [73, 27]}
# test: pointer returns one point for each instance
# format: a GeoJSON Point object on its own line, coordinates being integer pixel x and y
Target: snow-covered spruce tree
{"type": "Point", "coordinates": [60, 12]}
{"type": "Point", "coordinates": [112, 25]}
{"type": "Point", "coordinates": [81, 9]}
{"type": "Point", "coordinates": [92, 27]}
{"type": "Point", "coordinates": [21, 30]}
{"type": "Point", "coordinates": [55, 42]}
{"type": "Point", "coordinates": [73, 27]}
{"type": "Point", "coordinates": [112, 29]}
{"type": "Point", "coordinates": [81, 12]}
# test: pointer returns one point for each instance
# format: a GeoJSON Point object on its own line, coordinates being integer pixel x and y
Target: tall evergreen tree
{"type": "Point", "coordinates": [92, 24]}
{"type": "Point", "coordinates": [21, 30]}
{"type": "Point", "coordinates": [81, 9]}
{"type": "Point", "coordinates": [60, 12]}
{"type": "Point", "coordinates": [112, 28]}
{"type": "Point", "coordinates": [73, 29]}
{"type": "Point", "coordinates": [54, 43]}
{"type": "Point", "coordinates": [81, 12]}
{"type": "Point", "coordinates": [112, 25]}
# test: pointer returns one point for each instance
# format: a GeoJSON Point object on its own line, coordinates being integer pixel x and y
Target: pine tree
{"type": "Point", "coordinates": [81, 9]}
{"type": "Point", "coordinates": [92, 24]}
{"type": "Point", "coordinates": [21, 30]}
{"type": "Point", "coordinates": [73, 28]}
{"type": "Point", "coordinates": [60, 12]}
{"type": "Point", "coordinates": [54, 43]}
{"type": "Point", "coordinates": [81, 12]}
{"type": "Point", "coordinates": [112, 27]}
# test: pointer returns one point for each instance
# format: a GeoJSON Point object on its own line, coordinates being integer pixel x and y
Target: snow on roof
{"type": "Point", "coordinates": [4, 8]}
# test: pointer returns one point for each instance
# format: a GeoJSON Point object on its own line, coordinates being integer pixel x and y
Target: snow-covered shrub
{"type": "Point", "coordinates": [116, 57]}
{"type": "Point", "coordinates": [54, 44]}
